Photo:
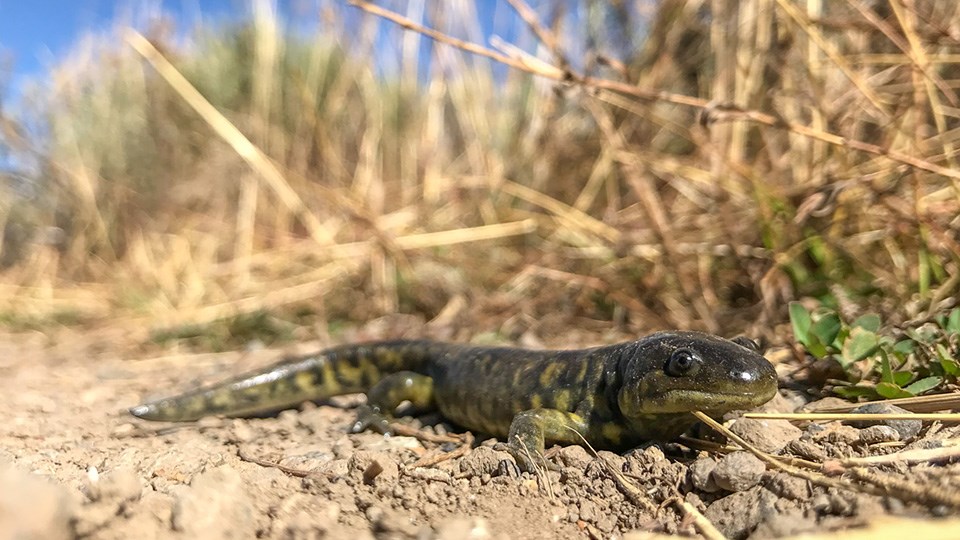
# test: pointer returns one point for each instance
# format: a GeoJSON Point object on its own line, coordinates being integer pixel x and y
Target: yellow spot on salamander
{"type": "Point", "coordinates": [549, 375]}
{"type": "Point", "coordinates": [612, 433]}
{"type": "Point", "coordinates": [303, 381]}
{"type": "Point", "coordinates": [536, 401]}
{"type": "Point", "coordinates": [561, 400]}
{"type": "Point", "coordinates": [582, 374]}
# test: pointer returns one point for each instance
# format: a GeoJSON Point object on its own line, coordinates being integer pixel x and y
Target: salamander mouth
{"type": "Point", "coordinates": [713, 401]}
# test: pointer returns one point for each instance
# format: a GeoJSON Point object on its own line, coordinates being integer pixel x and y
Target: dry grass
{"type": "Point", "coordinates": [732, 157]}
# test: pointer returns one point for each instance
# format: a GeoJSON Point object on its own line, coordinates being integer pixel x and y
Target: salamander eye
{"type": "Point", "coordinates": [682, 362]}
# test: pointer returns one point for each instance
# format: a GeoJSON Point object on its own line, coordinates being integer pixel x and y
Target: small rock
{"type": "Point", "coordinates": [216, 505]}
{"type": "Point", "coordinates": [701, 474]}
{"type": "Point", "coordinates": [589, 511]}
{"type": "Point", "coordinates": [789, 486]}
{"type": "Point", "coordinates": [804, 448]}
{"type": "Point", "coordinates": [574, 456]}
{"type": "Point", "coordinates": [738, 471]}
{"type": "Point", "coordinates": [770, 436]}
{"type": "Point", "coordinates": [782, 404]}
{"type": "Point", "coordinates": [837, 433]}
{"type": "Point", "coordinates": [908, 429]}
{"type": "Point", "coordinates": [482, 460]}
{"type": "Point", "coordinates": [825, 404]}
{"type": "Point", "coordinates": [879, 434]}
{"type": "Point", "coordinates": [738, 514]}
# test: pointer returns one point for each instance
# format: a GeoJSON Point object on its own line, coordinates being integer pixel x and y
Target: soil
{"type": "Point", "coordinates": [73, 464]}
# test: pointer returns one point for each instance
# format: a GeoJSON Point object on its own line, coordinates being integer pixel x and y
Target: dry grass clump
{"type": "Point", "coordinates": [663, 164]}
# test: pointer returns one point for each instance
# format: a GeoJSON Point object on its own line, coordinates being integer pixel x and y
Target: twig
{"type": "Point", "coordinates": [406, 431]}
{"type": "Point", "coordinates": [918, 455]}
{"type": "Point", "coordinates": [292, 471]}
{"type": "Point", "coordinates": [942, 417]}
{"type": "Point", "coordinates": [466, 445]}
{"type": "Point", "coordinates": [894, 487]}
{"type": "Point", "coordinates": [703, 525]}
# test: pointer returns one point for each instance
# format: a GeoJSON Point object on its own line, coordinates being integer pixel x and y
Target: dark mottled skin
{"type": "Point", "coordinates": [615, 396]}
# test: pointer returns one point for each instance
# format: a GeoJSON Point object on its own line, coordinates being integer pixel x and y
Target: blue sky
{"type": "Point", "coordinates": [36, 33]}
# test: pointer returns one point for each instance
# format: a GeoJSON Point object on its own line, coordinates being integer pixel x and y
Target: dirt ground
{"type": "Point", "coordinates": [73, 464]}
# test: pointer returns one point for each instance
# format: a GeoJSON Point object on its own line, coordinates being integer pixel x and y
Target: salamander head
{"type": "Point", "coordinates": [679, 372]}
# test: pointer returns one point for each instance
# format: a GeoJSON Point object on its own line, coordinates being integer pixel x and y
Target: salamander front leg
{"type": "Point", "coordinates": [385, 396]}
{"type": "Point", "coordinates": [530, 430]}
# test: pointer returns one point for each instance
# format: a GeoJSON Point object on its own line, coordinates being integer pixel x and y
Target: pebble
{"type": "Point", "coordinates": [482, 461]}
{"type": "Point", "coordinates": [908, 429]}
{"type": "Point", "coordinates": [574, 456]}
{"type": "Point", "coordinates": [879, 434]}
{"type": "Point", "coordinates": [802, 447]}
{"type": "Point", "coordinates": [770, 436]}
{"type": "Point", "coordinates": [789, 486]}
{"type": "Point", "coordinates": [701, 474]}
{"type": "Point", "coordinates": [738, 471]}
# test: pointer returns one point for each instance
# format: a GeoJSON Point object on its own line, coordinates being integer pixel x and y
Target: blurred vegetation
{"type": "Point", "coordinates": [445, 185]}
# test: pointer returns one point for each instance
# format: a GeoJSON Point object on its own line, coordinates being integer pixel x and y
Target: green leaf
{"type": "Point", "coordinates": [923, 385]}
{"type": "Point", "coordinates": [901, 378]}
{"type": "Point", "coordinates": [950, 366]}
{"type": "Point", "coordinates": [826, 328]}
{"type": "Point", "coordinates": [926, 334]}
{"type": "Point", "coordinates": [814, 346]}
{"type": "Point", "coordinates": [870, 321]}
{"type": "Point", "coordinates": [856, 391]}
{"type": "Point", "coordinates": [886, 374]}
{"type": "Point", "coordinates": [953, 322]}
{"type": "Point", "coordinates": [904, 347]}
{"type": "Point", "coordinates": [861, 344]}
{"type": "Point", "coordinates": [892, 391]}
{"type": "Point", "coordinates": [800, 320]}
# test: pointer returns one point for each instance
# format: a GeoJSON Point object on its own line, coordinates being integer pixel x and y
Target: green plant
{"type": "Point", "coordinates": [878, 362]}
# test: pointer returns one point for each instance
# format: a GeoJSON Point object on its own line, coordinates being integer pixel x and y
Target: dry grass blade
{"type": "Point", "coordinates": [852, 417]}
{"type": "Point", "coordinates": [917, 404]}
{"type": "Point", "coordinates": [814, 33]}
{"type": "Point", "coordinates": [568, 215]}
{"type": "Point", "coordinates": [703, 525]}
{"type": "Point", "coordinates": [458, 43]}
{"type": "Point", "coordinates": [529, 16]}
{"type": "Point", "coordinates": [466, 235]}
{"type": "Point", "coordinates": [225, 129]}
{"type": "Point", "coordinates": [950, 450]}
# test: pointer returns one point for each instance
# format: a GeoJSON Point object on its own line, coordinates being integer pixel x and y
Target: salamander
{"type": "Point", "coordinates": [614, 397]}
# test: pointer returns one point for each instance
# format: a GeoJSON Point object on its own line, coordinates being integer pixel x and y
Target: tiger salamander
{"type": "Point", "coordinates": [614, 396]}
